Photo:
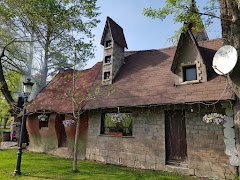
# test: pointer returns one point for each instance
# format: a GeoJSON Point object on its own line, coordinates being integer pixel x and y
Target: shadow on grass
{"type": "Point", "coordinates": [43, 166]}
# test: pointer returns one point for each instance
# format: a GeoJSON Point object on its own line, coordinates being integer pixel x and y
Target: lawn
{"type": "Point", "coordinates": [42, 166]}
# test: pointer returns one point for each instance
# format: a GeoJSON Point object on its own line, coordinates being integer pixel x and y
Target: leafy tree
{"type": "Point", "coordinates": [48, 29]}
{"type": "Point", "coordinates": [230, 21]}
{"type": "Point", "coordinates": [13, 80]}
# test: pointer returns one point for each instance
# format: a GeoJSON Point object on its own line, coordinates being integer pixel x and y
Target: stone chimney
{"type": "Point", "coordinates": [114, 44]}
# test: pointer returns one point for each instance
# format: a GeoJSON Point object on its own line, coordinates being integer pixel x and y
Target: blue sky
{"type": "Point", "coordinates": [141, 32]}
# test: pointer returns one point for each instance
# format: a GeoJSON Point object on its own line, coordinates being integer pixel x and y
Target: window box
{"type": "Point", "coordinates": [115, 133]}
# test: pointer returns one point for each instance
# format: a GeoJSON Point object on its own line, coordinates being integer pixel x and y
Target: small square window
{"type": "Point", "coordinates": [190, 73]}
{"type": "Point", "coordinates": [116, 124]}
{"type": "Point", "coordinates": [108, 43]}
{"type": "Point", "coordinates": [106, 75]}
{"type": "Point", "coordinates": [107, 59]}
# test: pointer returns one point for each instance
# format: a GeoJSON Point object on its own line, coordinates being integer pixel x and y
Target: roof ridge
{"type": "Point", "coordinates": [108, 18]}
{"type": "Point", "coordinates": [216, 39]}
{"type": "Point", "coordinates": [135, 51]}
{"type": "Point", "coordinates": [170, 47]}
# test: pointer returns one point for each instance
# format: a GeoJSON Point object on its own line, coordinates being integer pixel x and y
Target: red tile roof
{"type": "Point", "coordinates": [146, 79]}
{"type": "Point", "coordinates": [56, 96]}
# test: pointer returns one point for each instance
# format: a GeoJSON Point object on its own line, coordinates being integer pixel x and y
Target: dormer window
{"type": "Point", "coordinates": [106, 75]}
{"type": "Point", "coordinates": [107, 59]}
{"type": "Point", "coordinates": [108, 43]}
{"type": "Point", "coordinates": [189, 73]}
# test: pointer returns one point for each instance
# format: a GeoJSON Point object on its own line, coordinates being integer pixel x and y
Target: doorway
{"type": "Point", "coordinates": [175, 137]}
{"type": "Point", "coordinates": [62, 137]}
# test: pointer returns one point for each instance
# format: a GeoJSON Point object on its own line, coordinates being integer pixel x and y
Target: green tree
{"type": "Point", "coordinates": [13, 80]}
{"type": "Point", "coordinates": [230, 21]}
{"type": "Point", "coordinates": [48, 29]}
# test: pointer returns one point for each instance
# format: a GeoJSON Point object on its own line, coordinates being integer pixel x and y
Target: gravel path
{"type": "Point", "coordinates": [8, 145]}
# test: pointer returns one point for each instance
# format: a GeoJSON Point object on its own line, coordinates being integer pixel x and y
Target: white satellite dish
{"type": "Point", "coordinates": [225, 60]}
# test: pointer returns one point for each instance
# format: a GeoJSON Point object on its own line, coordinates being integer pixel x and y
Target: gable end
{"type": "Point", "coordinates": [188, 64]}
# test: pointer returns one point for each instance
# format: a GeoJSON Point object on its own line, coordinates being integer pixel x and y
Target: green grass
{"type": "Point", "coordinates": [42, 166]}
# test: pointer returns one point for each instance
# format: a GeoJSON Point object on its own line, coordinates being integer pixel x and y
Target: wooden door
{"type": "Point", "coordinates": [62, 137]}
{"type": "Point", "coordinates": [175, 137]}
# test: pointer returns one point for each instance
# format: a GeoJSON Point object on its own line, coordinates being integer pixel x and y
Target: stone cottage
{"type": "Point", "coordinates": [145, 109]}
{"type": "Point", "coordinates": [50, 122]}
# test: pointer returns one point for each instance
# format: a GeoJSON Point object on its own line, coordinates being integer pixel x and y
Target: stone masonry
{"type": "Point", "coordinates": [117, 57]}
{"type": "Point", "coordinates": [145, 149]}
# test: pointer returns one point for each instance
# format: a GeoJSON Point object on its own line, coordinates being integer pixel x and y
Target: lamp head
{"type": "Point", "coordinates": [27, 87]}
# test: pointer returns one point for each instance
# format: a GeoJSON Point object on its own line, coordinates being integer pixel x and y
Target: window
{"type": "Point", "coordinates": [107, 59]}
{"type": "Point", "coordinates": [117, 124]}
{"type": "Point", "coordinates": [106, 75]}
{"type": "Point", "coordinates": [108, 44]}
{"type": "Point", "coordinates": [190, 73]}
{"type": "Point", "coordinates": [43, 124]}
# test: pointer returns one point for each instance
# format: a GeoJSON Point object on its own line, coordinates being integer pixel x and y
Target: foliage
{"type": "Point", "coordinates": [50, 167]}
{"type": "Point", "coordinates": [15, 53]}
{"type": "Point", "coordinates": [13, 80]}
{"type": "Point", "coordinates": [61, 31]}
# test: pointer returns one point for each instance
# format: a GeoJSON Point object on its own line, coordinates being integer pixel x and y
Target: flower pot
{"type": "Point", "coordinates": [115, 133]}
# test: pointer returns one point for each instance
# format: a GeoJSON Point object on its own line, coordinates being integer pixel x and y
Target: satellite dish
{"type": "Point", "coordinates": [225, 60]}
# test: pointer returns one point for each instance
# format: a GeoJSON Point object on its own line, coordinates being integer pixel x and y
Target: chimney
{"type": "Point", "coordinates": [114, 44]}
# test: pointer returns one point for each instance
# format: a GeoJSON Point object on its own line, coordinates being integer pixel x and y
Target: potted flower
{"type": "Point", "coordinates": [70, 128]}
{"type": "Point", "coordinates": [118, 129]}
{"type": "Point", "coordinates": [214, 118]}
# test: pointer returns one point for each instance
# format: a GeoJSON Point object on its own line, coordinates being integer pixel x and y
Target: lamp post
{"type": "Point", "coordinates": [27, 88]}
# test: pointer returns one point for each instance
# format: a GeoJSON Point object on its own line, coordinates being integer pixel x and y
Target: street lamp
{"type": "Point", "coordinates": [27, 88]}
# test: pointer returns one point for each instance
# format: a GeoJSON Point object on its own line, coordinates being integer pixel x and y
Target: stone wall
{"type": "Point", "coordinates": [206, 148]}
{"type": "Point", "coordinates": [107, 67]}
{"type": "Point", "coordinates": [146, 148]}
{"type": "Point", "coordinates": [117, 57]}
{"type": "Point", "coordinates": [47, 139]}
{"type": "Point", "coordinates": [44, 139]}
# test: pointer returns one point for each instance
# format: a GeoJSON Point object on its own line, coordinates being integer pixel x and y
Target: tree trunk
{"type": "Point", "coordinates": [75, 152]}
{"type": "Point", "coordinates": [29, 65]}
{"type": "Point", "coordinates": [44, 70]}
{"type": "Point", "coordinates": [231, 36]}
{"type": "Point", "coordinates": [4, 87]}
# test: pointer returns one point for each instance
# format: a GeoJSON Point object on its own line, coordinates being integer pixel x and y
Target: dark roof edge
{"type": "Point", "coordinates": [108, 23]}
{"type": "Point", "coordinates": [164, 104]}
